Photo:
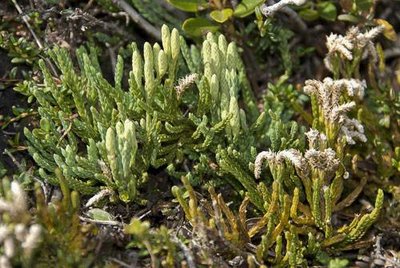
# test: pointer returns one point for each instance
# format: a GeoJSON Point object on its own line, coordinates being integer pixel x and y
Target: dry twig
{"type": "Point", "coordinates": [139, 20]}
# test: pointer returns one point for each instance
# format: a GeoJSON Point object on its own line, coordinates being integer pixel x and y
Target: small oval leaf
{"type": "Point", "coordinates": [221, 15]}
{"type": "Point", "coordinates": [348, 17]}
{"type": "Point", "coordinates": [198, 26]}
{"type": "Point", "coordinates": [309, 14]}
{"type": "Point", "coordinates": [327, 11]}
{"type": "Point", "coordinates": [189, 5]}
{"type": "Point", "coordinates": [137, 227]}
{"type": "Point", "coordinates": [364, 5]}
{"type": "Point", "coordinates": [246, 7]}
{"type": "Point", "coordinates": [45, 124]}
{"type": "Point", "coordinates": [99, 215]}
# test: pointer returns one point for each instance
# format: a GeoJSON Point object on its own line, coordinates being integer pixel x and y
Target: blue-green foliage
{"type": "Point", "coordinates": [186, 110]}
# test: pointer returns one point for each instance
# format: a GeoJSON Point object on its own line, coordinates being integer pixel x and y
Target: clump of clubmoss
{"type": "Point", "coordinates": [191, 113]}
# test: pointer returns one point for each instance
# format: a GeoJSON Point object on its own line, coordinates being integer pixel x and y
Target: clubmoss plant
{"type": "Point", "coordinates": [316, 178]}
{"type": "Point", "coordinates": [191, 112]}
{"type": "Point", "coordinates": [159, 244]}
{"type": "Point", "coordinates": [217, 233]}
{"type": "Point", "coordinates": [181, 105]}
{"type": "Point", "coordinates": [66, 240]}
{"type": "Point", "coordinates": [307, 187]}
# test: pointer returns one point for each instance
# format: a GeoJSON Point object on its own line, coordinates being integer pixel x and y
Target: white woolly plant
{"type": "Point", "coordinates": [346, 52]}
{"type": "Point", "coordinates": [18, 238]}
{"type": "Point", "coordinates": [334, 98]}
{"type": "Point", "coordinates": [315, 178]}
{"type": "Point", "coordinates": [331, 112]}
{"type": "Point", "coordinates": [318, 163]}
